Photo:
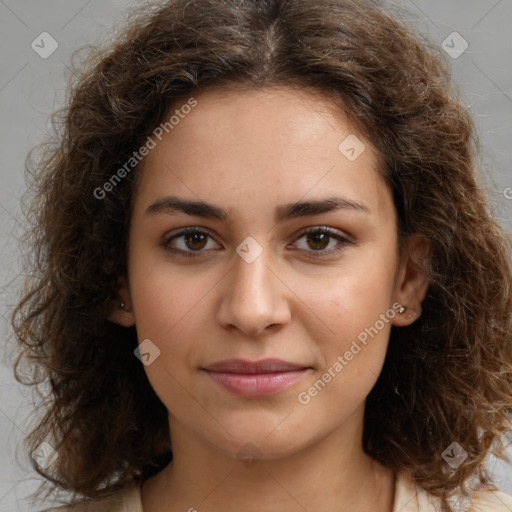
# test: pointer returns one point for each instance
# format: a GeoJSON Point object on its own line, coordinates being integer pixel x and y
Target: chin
{"type": "Point", "coordinates": [253, 449]}
{"type": "Point", "coordinates": [262, 436]}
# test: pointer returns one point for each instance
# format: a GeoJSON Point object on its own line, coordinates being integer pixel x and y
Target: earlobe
{"type": "Point", "coordinates": [122, 313]}
{"type": "Point", "coordinates": [412, 282]}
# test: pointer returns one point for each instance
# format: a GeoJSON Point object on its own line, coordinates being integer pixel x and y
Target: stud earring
{"type": "Point", "coordinates": [402, 309]}
{"type": "Point", "coordinates": [124, 307]}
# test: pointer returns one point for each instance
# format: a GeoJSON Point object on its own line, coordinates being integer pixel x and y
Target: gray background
{"type": "Point", "coordinates": [32, 87]}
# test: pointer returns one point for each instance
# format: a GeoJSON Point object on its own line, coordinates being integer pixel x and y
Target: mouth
{"type": "Point", "coordinates": [255, 378]}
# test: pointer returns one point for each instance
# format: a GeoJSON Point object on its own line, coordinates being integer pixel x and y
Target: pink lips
{"type": "Point", "coordinates": [255, 378]}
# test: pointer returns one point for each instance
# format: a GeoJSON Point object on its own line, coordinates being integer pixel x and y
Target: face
{"type": "Point", "coordinates": [269, 308]}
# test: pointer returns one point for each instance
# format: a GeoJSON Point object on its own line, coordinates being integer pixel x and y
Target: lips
{"type": "Point", "coordinates": [252, 367]}
{"type": "Point", "coordinates": [255, 378]}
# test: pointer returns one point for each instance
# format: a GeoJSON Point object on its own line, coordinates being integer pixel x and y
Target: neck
{"type": "Point", "coordinates": [331, 474]}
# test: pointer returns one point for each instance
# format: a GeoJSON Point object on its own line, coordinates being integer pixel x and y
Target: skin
{"type": "Point", "coordinates": [250, 151]}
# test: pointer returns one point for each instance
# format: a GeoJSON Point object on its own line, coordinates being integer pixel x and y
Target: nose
{"type": "Point", "coordinates": [253, 297]}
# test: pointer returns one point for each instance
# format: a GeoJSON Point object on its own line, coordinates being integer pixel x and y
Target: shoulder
{"type": "Point", "coordinates": [491, 501]}
{"type": "Point", "coordinates": [411, 498]}
{"type": "Point", "coordinates": [125, 500]}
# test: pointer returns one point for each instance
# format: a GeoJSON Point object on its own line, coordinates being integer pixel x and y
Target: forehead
{"type": "Point", "coordinates": [273, 144]}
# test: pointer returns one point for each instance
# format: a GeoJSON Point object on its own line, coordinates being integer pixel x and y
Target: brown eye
{"type": "Point", "coordinates": [318, 239]}
{"type": "Point", "coordinates": [195, 241]}
{"type": "Point", "coordinates": [189, 241]}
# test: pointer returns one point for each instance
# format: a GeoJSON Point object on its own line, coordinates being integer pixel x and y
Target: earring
{"type": "Point", "coordinates": [402, 310]}
{"type": "Point", "coordinates": [124, 307]}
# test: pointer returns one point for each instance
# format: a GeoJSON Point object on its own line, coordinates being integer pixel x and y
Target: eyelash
{"type": "Point", "coordinates": [191, 230]}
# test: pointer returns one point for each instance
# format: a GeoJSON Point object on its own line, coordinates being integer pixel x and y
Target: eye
{"type": "Point", "coordinates": [189, 241]}
{"type": "Point", "coordinates": [318, 239]}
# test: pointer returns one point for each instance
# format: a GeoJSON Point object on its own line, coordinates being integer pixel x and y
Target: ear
{"type": "Point", "coordinates": [122, 313]}
{"type": "Point", "coordinates": [412, 279]}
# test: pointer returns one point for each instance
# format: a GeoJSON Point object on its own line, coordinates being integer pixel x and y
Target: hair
{"type": "Point", "coordinates": [446, 378]}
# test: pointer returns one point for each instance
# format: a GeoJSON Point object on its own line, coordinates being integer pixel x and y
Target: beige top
{"type": "Point", "coordinates": [408, 498]}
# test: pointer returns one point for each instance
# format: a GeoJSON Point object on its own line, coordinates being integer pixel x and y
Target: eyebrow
{"type": "Point", "coordinates": [173, 204]}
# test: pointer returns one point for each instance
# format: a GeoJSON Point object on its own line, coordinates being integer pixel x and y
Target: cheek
{"type": "Point", "coordinates": [169, 311]}
{"type": "Point", "coordinates": [168, 314]}
{"type": "Point", "coordinates": [354, 310]}
{"type": "Point", "coordinates": [173, 309]}
{"type": "Point", "coordinates": [351, 353]}
{"type": "Point", "coordinates": [351, 299]}
{"type": "Point", "coordinates": [165, 305]}
{"type": "Point", "coordinates": [164, 295]}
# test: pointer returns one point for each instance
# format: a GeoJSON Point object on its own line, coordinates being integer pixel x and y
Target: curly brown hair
{"type": "Point", "coordinates": [447, 377]}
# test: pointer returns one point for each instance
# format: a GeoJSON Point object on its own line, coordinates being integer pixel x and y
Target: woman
{"type": "Point", "coordinates": [268, 278]}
